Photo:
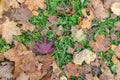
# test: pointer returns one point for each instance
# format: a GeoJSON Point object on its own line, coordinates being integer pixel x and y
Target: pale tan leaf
{"type": "Point", "coordinates": [84, 55]}
{"type": "Point", "coordinates": [35, 4]}
{"type": "Point", "coordinates": [12, 3]}
{"type": "Point", "coordinates": [23, 76]}
{"type": "Point", "coordinates": [9, 29]}
{"type": "Point", "coordinates": [116, 8]}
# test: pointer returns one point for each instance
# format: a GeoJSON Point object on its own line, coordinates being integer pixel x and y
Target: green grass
{"type": "Point", "coordinates": [3, 46]}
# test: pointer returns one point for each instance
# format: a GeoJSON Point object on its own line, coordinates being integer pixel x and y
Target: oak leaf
{"type": "Point", "coordinates": [9, 29]}
{"type": "Point", "coordinates": [12, 3]}
{"type": "Point", "coordinates": [102, 43]}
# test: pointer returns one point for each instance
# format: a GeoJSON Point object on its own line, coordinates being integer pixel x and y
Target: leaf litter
{"type": "Point", "coordinates": [22, 62]}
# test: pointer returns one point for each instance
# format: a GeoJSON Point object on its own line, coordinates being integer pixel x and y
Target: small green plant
{"type": "Point", "coordinates": [3, 46]}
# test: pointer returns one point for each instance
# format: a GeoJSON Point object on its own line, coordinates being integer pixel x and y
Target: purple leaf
{"type": "Point", "coordinates": [44, 47]}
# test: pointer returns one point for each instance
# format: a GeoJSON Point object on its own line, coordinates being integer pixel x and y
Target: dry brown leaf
{"type": "Point", "coordinates": [6, 70]}
{"type": "Point", "coordinates": [1, 57]}
{"type": "Point", "coordinates": [35, 4]}
{"type": "Point", "coordinates": [12, 3]}
{"type": "Point", "coordinates": [113, 47]}
{"type": "Point", "coordinates": [26, 26]}
{"type": "Point", "coordinates": [53, 19]}
{"type": "Point", "coordinates": [106, 72]}
{"type": "Point", "coordinates": [102, 43]}
{"type": "Point", "coordinates": [98, 9]}
{"type": "Point", "coordinates": [3, 7]}
{"type": "Point", "coordinates": [115, 8]}
{"type": "Point", "coordinates": [12, 56]}
{"type": "Point", "coordinates": [21, 13]}
{"type": "Point", "coordinates": [108, 3]}
{"type": "Point", "coordinates": [117, 51]}
{"type": "Point", "coordinates": [9, 29]}
{"type": "Point", "coordinates": [56, 72]}
{"type": "Point", "coordinates": [70, 50]}
{"type": "Point", "coordinates": [84, 55]}
{"type": "Point", "coordinates": [72, 70]}
{"type": "Point", "coordinates": [117, 65]}
{"type": "Point", "coordinates": [87, 21]}
{"type": "Point", "coordinates": [117, 26]}
{"type": "Point", "coordinates": [23, 76]}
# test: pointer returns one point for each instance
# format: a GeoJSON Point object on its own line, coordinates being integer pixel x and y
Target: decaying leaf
{"type": "Point", "coordinates": [117, 51]}
{"type": "Point", "coordinates": [70, 50]}
{"type": "Point", "coordinates": [9, 29]}
{"type": "Point", "coordinates": [72, 70]}
{"type": "Point", "coordinates": [21, 13]}
{"type": "Point", "coordinates": [102, 43]}
{"type": "Point", "coordinates": [56, 72]}
{"type": "Point", "coordinates": [35, 4]}
{"type": "Point", "coordinates": [23, 76]}
{"type": "Point", "coordinates": [116, 8]}
{"type": "Point", "coordinates": [3, 7]}
{"type": "Point", "coordinates": [63, 77]}
{"type": "Point", "coordinates": [78, 34]}
{"type": "Point", "coordinates": [117, 26]}
{"type": "Point", "coordinates": [12, 3]}
{"type": "Point", "coordinates": [84, 55]}
{"type": "Point", "coordinates": [117, 65]}
{"type": "Point", "coordinates": [26, 26]}
{"type": "Point", "coordinates": [106, 72]}
{"type": "Point", "coordinates": [108, 3]}
{"type": "Point", "coordinates": [98, 9]}
{"type": "Point", "coordinates": [87, 20]}
{"type": "Point", "coordinates": [6, 70]}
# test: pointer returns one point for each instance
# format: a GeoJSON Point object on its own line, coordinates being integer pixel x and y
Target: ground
{"type": "Point", "coordinates": [59, 40]}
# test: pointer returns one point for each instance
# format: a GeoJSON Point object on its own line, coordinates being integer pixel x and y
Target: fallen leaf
{"type": "Point", "coordinates": [21, 13]}
{"type": "Point", "coordinates": [86, 23]}
{"type": "Point", "coordinates": [23, 76]}
{"type": "Point", "coordinates": [35, 4]}
{"type": "Point", "coordinates": [9, 29]}
{"type": "Point", "coordinates": [44, 47]}
{"type": "Point", "coordinates": [1, 57]}
{"type": "Point", "coordinates": [106, 72]}
{"type": "Point", "coordinates": [56, 72]}
{"type": "Point", "coordinates": [115, 8]}
{"type": "Point", "coordinates": [53, 19]}
{"type": "Point", "coordinates": [117, 51]}
{"type": "Point", "coordinates": [12, 3]}
{"type": "Point", "coordinates": [21, 1]}
{"type": "Point", "coordinates": [63, 77]}
{"type": "Point", "coordinates": [102, 43]}
{"type": "Point", "coordinates": [26, 26]}
{"type": "Point", "coordinates": [3, 7]}
{"type": "Point", "coordinates": [70, 50]}
{"type": "Point", "coordinates": [108, 3]}
{"type": "Point", "coordinates": [84, 55]}
{"type": "Point", "coordinates": [98, 9]}
{"type": "Point", "coordinates": [117, 26]}
{"type": "Point", "coordinates": [6, 69]}
{"type": "Point", "coordinates": [117, 65]}
{"type": "Point", "coordinates": [78, 34]}
{"type": "Point", "coordinates": [72, 70]}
